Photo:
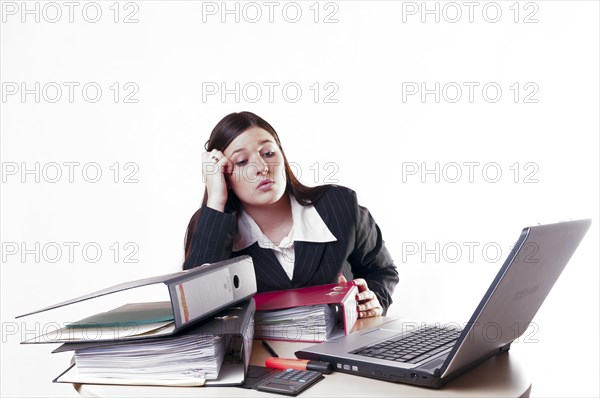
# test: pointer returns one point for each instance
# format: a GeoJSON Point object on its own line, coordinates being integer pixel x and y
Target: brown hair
{"type": "Point", "coordinates": [228, 129]}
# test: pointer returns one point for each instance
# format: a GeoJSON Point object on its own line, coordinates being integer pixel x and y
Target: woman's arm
{"type": "Point", "coordinates": [212, 240]}
{"type": "Point", "coordinates": [371, 260]}
{"type": "Point", "coordinates": [212, 236]}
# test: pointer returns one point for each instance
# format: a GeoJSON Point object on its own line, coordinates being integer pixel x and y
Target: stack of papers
{"type": "Point", "coordinates": [308, 323]}
{"type": "Point", "coordinates": [184, 359]}
{"type": "Point", "coordinates": [307, 314]}
{"type": "Point", "coordinates": [215, 351]}
{"type": "Point", "coordinates": [199, 334]}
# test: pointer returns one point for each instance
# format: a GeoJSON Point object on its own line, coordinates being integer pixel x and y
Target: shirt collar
{"type": "Point", "coordinates": [308, 226]}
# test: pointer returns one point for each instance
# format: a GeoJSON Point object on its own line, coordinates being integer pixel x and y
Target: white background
{"type": "Point", "coordinates": [368, 135]}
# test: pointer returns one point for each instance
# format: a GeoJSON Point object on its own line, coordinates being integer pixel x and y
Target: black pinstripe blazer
{"type": "Point", "coordinates": [359, 251]}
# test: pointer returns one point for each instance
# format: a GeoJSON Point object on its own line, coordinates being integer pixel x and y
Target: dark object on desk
{"type": "Point", "coordinates": [288, 382]}
{"type": "Point", "coordinates": [256, 374]}
{"type": "Point", "coordinates": [269, 349]}
{"type": "Point", "coordinates": [503, 315]}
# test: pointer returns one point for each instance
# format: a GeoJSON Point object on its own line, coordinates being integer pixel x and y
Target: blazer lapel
{"type": "Point", "coordinates": [270, 275]}
{"type": "Point", "coordinates": [308, 256]}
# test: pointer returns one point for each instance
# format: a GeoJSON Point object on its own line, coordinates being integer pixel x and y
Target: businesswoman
{"type": "Point", "coordinates": [296, 235]}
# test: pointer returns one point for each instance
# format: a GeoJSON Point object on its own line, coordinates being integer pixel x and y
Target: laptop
{"type": "Point", "coordinates": [432, 354]}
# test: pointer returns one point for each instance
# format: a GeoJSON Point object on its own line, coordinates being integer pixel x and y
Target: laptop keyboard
{"type": "Point", "coordinates": [413, 347]}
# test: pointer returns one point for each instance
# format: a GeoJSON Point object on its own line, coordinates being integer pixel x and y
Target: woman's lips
{"type": "Point", "coordinates": [265, 185]}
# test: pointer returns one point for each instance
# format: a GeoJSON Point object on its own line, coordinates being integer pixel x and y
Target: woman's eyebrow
{"type": "Point", "coordinates": [260, 143]}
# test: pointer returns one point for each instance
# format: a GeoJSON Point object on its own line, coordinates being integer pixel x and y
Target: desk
{"type": "Point", "coordinates": [499, 376]}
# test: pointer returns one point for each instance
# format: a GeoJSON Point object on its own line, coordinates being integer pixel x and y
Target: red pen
{"type": "Point", "coordinates": [300, 364]}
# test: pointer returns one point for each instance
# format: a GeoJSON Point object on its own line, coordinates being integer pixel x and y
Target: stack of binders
{"type": "Point", "coordinates": [310, 314]}
{"type": "Point", "coordinates": [201, 336]}
{"type": "Point", "coordinates": [212, 352]}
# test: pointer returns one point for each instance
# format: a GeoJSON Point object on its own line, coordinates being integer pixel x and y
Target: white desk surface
{"type": "Point", "coordinates": [503, 376]}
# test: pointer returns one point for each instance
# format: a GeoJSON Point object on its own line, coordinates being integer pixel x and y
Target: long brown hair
{"type": "Point", "coordinates": [227, 130]}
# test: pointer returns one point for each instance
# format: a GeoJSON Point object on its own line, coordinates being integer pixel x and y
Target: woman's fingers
{"type": "Point", "coordinates": [215, 166]}
{"type": "Point", "coordinates": [224, 162]}
{"type": "Point", "coordinates": [362, 284]}
{"type": "Point", "coordinates": [366, 295]}
{"type": "Point", "coordinates": [368, 303]}
{"type": "Point", "coordinates": [371, 313]}
{"type": "Point", "coordinates": [370, 308]}
{"type": "Point", "coordinates": [218, 158]}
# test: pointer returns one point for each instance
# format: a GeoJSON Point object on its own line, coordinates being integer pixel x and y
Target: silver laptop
{"type": "Point", "coordinates": [433, 354]}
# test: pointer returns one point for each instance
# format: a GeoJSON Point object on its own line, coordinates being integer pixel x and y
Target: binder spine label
{"type": "Point", "coordinates": [183, 308]}
{"type": "Point", "coordinates": [202, 295]}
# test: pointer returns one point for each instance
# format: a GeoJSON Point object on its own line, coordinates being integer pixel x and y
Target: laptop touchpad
{"type": "Point", "coordinates": [380, 333]}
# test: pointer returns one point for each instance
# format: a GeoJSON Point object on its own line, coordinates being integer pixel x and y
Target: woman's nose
{"type": "Point", "coordinates": [262, 166]}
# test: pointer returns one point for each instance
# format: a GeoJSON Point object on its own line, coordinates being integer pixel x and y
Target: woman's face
{"type": "Point", "coordinates": [258, 176]}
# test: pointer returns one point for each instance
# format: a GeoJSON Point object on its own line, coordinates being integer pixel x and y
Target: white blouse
{"type": "Point", "coordinates": [308, 226]}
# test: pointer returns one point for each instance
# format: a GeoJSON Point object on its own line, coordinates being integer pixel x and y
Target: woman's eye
{"type": "Point", "coordinates": [269, 154]}
{"type": "Point", "coordinates": [241, 163]}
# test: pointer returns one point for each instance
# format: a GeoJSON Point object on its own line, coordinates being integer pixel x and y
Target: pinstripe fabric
{"type": "Point", "coordinates": [359, 251]}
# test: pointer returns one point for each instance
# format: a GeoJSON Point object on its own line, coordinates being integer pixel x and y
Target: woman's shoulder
{"type": "Point", "coordinates": [337, 207]}
{"type": "Point", "coordinates": [337, 194]}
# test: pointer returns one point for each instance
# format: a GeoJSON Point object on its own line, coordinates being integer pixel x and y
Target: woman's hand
{"type": "Point", "coordinates": [215, 167]}
{"type": "Point", "coordinates": [368, 303]}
